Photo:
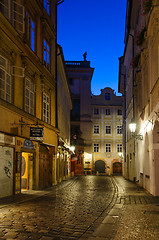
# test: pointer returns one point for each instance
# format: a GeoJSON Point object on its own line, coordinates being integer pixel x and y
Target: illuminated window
{"type": "Point", "coordinates": [46, 56]}
{"type": "Point", "coordinates": [108, 147]}
{"type": "Point", "coordinates": [107, 129]}
{"type": "Point", "coordinates": [47, 6]}
{"type": "Point", "coordinates": [96, 147]}
{"type": "Point", "coordinates": [5, 80]}
{"type": "Point", "coordinates": [30, 32]}
{"type": "Point", "coordinates": [119, 129]}
{"type": "Point", "coordinates": [107, 111]}
{"type": "Point", "coordinates": [96, 129]}
{"type": "Point", "coordinates": [46, 108]}
{"type": "Point", "coordinates": [119, 147]}
{"type": "Point", "coordinates": [29, 96]}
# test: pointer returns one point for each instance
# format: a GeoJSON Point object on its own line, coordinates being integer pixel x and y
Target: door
{"type": "Point", "coordinates": [117, 168]}
{"type": "Point", "coordinates": [100, 166]}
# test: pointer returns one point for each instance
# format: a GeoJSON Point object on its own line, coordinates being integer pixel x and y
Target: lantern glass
{"type": "Point", "coordinates": [132, 127]}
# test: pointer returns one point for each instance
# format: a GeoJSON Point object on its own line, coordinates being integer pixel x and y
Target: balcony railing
{"type": "Point", "coordinates": [80, 64]}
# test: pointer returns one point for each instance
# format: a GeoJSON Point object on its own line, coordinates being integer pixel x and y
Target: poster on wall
{"type": "Point", "coordinates": [6, 171]}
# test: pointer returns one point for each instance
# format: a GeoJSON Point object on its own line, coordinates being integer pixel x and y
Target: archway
{"type": "Point", "coordinates": [117, 168]}
{"type": "Point", "coordinates": [100, 166]}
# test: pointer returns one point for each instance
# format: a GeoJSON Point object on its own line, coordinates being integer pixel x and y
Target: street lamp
{"type": "Point", "coordinates": [132, 127]}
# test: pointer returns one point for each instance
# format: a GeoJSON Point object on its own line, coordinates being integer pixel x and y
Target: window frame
{"type": "Point", "coordinates": [107, 96]}
{"type": "Point", "coordinates": [108, 147]}
{"type": "Point", "coordinates": [29, 30]}
{"type": "Point", "coordinates": [119, 147]}
{"type": "Point", "coordinates": [96, 129]}
{"type": "Point", "coordinates": [6, 86]}
{"type": "Point", "coordinates": [95, 111]}
{"type": "Point", "coordinates": [119, 129]}
{"type": "Point", "coordinates": [96, 147]}
{"type": "Point", "coordinates": [46, 110]}
{"type": "Point", "coordinates": [45, 48]}
{"type": "Point", "coordinates": [108, 129]}
{"type": "Point", "coordinates": [30, 89]}
{"type": "Point", "coordinates": [107, 112]}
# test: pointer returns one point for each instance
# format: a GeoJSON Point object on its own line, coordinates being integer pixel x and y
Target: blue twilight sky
{"type": "Point", "coordinates": [96, 27]}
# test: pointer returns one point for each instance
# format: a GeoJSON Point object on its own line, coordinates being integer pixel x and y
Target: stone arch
{"type": "Point", "coordinates": [100, 166]}
{"type": "Point", "coordinates": [116, 166]}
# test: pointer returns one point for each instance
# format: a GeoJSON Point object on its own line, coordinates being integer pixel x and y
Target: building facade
{"type": "Point", "coordinates": [138, 80]}
{"type": "Point", "coordinates": [80, 75]}
{"type": "Point", "coordinates": [64, 106]}
{"type": "Point", "coordinates": [106, 137]}
{"type": "Point", "coordinates": [28, 127]}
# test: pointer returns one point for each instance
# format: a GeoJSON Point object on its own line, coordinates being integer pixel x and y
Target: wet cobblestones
{"type": "Point", "coordinates": [66, 212]}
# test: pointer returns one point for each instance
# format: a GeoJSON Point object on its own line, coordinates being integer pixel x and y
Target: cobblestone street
{"type": "Point", "coordinates": [67, 211]}
{"type": "Point", "coordinates": [85, 207]}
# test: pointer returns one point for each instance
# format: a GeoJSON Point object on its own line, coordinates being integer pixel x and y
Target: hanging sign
{"type": "Point", "coordinates": [36, 133]}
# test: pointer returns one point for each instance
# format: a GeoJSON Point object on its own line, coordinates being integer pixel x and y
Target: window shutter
{"type": "Point", "coordinates": [18, 16]}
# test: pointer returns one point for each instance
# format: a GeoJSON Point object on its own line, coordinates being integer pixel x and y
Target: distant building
{"type": "Point", "coordinates": [106, 116]}
{"type": "Point", "coordinates": [80, 75]}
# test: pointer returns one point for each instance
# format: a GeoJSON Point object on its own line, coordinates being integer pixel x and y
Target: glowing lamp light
{"type": "Point", "coordinates": [132, 127]}
{"type": "Point", "coordinates": [72, 148]}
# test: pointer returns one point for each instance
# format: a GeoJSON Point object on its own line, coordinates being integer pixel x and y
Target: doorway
{"type": "Point", "coordinates": [100, 166]}
{"type": "Point", "coordinates": [117, 168]}
{"type": "Point", "coordinates": [27, 171]}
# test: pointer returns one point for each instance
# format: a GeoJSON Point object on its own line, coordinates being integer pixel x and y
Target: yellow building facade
{"type": "Point", "coordinates": [107, 149]}
{"type": "Point", "coordinates": [28, 128]}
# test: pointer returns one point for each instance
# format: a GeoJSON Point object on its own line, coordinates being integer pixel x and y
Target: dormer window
{"type": "Point", "coordinates": [107, 96]}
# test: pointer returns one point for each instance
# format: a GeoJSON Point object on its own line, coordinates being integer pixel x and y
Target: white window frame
{"type": "Point", "coordinates": [5, 80]}
{"type": "Point", "coordinates": [96, 129]}
{"type": "Point", "coordinates": [108, 147]}
{"type": "Point", "coordinates": [46, 53]}
{"type": "Point", "coordinates": [107, 112]}
{"type": "Point", "coordinates": [30, 31]}
{"type": "Point", "coordinates": [119, 129]}
{"type": "Point", "coordinates": [96, 111]}
{"type": "Point", "coordinates": [29, 96]}
{"type": "Point", "coordinates": [119, 147]}
{"type": "Point", "coordinates": [46, 108]}
{"type": "Point", "coordinates": [108, 129]}
{"type": "Point", "coordinates": [96, 147]}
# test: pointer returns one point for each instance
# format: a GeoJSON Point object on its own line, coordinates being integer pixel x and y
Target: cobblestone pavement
{"type": "Point", "coordinates": [84, 208]}
{"type": "Point", "coordinates": [70, 210]}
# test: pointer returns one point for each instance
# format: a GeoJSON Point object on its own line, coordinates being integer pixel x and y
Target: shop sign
{"type": "Point", "coordinates": [7, 139]}
{"type": "Point", "coordinates": [36, 133]}
{"type": "Point", "coordinates": [28, 144]}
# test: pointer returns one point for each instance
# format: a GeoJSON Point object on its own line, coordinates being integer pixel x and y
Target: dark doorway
{"type": "Point", "coordinates": [100, 166]}
{"type": "Point", "coordinates": [117, 168]}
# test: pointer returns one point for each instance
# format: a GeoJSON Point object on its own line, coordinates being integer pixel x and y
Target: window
{"type": "Point", "coordinates": [119, 112]}
{"type": "Point", "coordinates": [47, 6]}
{"type": "Point", "coordinates": [107, 96]}
{"type": "Point", "coordinates": [96, 111]}
{"type": "Point", "coordinates": [96, 147]}
{"type": "Point", "coordinates": [29, 96]}
{"type": "Point", "coordinates": [30, 32]}
{"type": "Point", "coordinates": [76, 107]}
{"type": "Point", "coordinates": [16, 17]}
{"type": "Point", "coordinates": [119, 147]}
{"type": "Point", "coordinates": [119, 129]}
{"type": "Point", "coordinates": [5, 80]}
{"type": "Point", "coordinates": [46, 56]}
{"type": "Point", "coordinates": [96, 129]}
{"type": "Point", "coordinates": [46, 108]}
{"type": "Point", "coordinates": [107, 111]}
{"type": "Point", "coordinates": [108, 147]}
{"type": "Point", "coordinates": [108, 129]}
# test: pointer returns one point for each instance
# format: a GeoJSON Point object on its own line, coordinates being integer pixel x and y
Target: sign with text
{"type": "Point", "coordinates": [36, 133]}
